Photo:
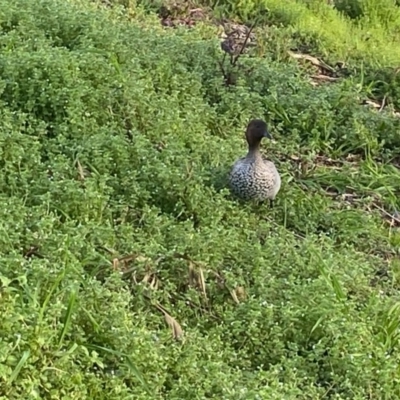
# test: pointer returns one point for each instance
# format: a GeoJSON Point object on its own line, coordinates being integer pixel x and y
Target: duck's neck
{"type": "Point", "coordinates": [254, 151]}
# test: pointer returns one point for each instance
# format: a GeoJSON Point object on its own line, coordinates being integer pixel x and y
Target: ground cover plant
{"type": "Point", "coordinates": [128, 271]}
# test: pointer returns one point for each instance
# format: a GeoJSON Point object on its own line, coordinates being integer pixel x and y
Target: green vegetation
{"type": "Point", "coordinates": [355, 30]}
{"type": "Point", "coordinates": [116, 136]}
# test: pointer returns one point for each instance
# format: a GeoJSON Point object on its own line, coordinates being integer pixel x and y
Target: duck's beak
{"type": "Point", "coordinates": [267, 135]}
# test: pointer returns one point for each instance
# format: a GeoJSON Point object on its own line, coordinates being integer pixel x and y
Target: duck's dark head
{"type": "Point", "coordinates": [256, 130]}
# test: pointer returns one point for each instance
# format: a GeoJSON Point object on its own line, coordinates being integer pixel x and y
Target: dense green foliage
{"type": "Point", "coordinates": [115, 139]}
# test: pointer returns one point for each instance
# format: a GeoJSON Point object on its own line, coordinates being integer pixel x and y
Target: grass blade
{"type": "Point", "coordinates": [132, 367]}
{"type": "Point", "coordinates": [19, 366]}
{"type": "Point", "coordinates": [48, 297]}
{"type": "Point", "coordinates": [67, 319]}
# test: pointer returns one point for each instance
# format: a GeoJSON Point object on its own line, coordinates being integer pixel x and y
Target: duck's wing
{"type": "Point", "coordinates": [238, 164]}
{"type": "Point", "coordinates": [267, 162]}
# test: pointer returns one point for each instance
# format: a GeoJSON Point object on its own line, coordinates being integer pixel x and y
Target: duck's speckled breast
{"type": "Point", "coordinates": [254, 178]}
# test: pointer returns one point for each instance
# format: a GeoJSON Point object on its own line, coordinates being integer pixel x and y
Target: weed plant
{"type": "Point", "coordinates": [115, 139]}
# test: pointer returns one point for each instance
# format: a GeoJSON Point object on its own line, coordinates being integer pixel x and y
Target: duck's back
{"type": "Point", "coordinates": [254, 178]}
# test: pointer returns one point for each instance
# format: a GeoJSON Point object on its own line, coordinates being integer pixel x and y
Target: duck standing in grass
{"type": "Point", "coordinates": [254, 177]}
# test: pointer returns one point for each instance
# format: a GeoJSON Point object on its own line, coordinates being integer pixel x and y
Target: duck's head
{"type": "Point", "coordinates": [256, 130]}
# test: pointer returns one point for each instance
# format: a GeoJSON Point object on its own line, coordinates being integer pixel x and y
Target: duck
{"type": "Point", "coordinates": [254, 177]}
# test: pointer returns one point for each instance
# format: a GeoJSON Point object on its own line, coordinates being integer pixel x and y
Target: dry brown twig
{"type": "Point", "coordinates": [80, 171]}
{"type": "Point", "coordinates": [176, 329]}
{"type": "Point", "coordinates": [313, 60]}
{"type": "Point", "coordinates": [383, 104]}
{"type": "Point", "coordinates": [393, 217]}
{"type": "Point", "coordinates": [325, 70]}
{"type": "Point", "coordinates": [196, 278]}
